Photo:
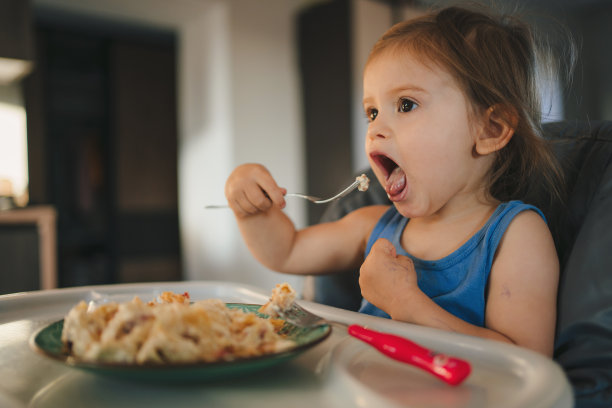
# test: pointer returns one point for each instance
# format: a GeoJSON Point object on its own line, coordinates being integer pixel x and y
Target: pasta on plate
{"type": "Point", "coordinates": [172, 329]}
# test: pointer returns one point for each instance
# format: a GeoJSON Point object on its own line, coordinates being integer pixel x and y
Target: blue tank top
{"type": "Point", "coordinates": [458, 281]}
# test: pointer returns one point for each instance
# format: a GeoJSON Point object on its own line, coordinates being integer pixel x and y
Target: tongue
{"type": "Point", "coordinates": [396, 182]}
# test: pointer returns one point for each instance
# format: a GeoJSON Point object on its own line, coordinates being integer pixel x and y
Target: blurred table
{"type": "Point", "coordinates": [338, 372]}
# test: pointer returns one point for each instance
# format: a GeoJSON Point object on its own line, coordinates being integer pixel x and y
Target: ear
{"type": "Point", "coordinates": [499, 123]}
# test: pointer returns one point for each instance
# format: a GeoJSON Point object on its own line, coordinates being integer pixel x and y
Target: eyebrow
{"type": "Point", "coordinates": [404, 88]}
{"type": "Point", "coordinates": [412, 88]}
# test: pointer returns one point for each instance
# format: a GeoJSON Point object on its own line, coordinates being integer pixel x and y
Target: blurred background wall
{"type": "Point", "coordinates": [138, 110]}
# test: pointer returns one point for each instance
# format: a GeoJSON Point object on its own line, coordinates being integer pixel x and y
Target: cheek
{"type": "Point", "coordinates": [432, 167]}
{"type": "Point", "coordinates": [439, 146]}
{"type": "Point", "coordinates": [421, 156]}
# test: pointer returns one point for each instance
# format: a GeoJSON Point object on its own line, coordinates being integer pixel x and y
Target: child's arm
{"type": "Point", "coordinates": [522, 292]}
{"type": "Point", "coordinates": [270, 235]}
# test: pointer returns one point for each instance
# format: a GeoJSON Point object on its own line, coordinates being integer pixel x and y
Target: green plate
{"type": "Point", "coordinates": [48, 342]}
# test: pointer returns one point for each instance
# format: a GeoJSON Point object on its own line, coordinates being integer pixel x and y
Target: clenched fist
{"type": "Point", "coordinates": [387, 280]}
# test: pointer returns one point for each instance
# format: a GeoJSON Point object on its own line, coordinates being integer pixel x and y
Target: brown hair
{"type": "Point", "coordinates": [495, 60]}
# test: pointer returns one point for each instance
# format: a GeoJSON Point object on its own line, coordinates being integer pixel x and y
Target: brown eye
{"type": "Point", "coordinates": [372, 114]}
{"type": "Point", "coordinates": [406, 105]}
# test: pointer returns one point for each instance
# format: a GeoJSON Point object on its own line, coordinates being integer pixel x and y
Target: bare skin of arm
{"type": "Point", "coordinates": [272, 238]}
{"type": "Point", "coordinates": [521, 302]}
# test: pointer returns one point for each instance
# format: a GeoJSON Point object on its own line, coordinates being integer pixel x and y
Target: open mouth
{"type": "Point", "coordinates": [395, 183]}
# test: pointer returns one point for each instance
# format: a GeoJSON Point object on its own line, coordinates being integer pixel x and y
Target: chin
{"type": "Point", "coordinates": [407, 209]}
{"type": "Point", "coordinates": [418, 206]}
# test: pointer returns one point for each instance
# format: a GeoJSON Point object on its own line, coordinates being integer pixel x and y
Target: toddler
{"type": "Point", "coordinates": [454, 138]}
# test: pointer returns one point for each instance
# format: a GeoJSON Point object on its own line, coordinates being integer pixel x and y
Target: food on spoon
{"type": "Point", "coordinates": [364, 182]}
{"type": "Point", "coordinates": [169, 329]}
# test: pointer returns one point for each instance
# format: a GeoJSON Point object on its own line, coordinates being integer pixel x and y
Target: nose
{"type": "Point", "coordinates": [378, 129]}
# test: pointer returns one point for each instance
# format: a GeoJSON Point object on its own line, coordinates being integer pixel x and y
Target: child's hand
{"type": "Point", "coordinates": [250, 189]}
{"type": "Point", "coordinates": [387, 279]}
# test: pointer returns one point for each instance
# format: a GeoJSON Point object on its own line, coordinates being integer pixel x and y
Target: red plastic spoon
{"type": "Point", "coordinates": [449, 369]}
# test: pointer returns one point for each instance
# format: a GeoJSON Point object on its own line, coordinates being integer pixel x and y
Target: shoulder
{"type": "Point", "coordinates": [528, 224]}
{"type": "Point", "coordinates": [344, 240]}
{"type": "Point", "coordinates": [363, 220]}
{"type": "Point", "coordinates": [527, 245]}
{"type": "Point", "coordinates": [514, 208]}
{"type": "Point", "coordinates": [516, 219]}
{"type": "Point", "coordinates": [371, 213]}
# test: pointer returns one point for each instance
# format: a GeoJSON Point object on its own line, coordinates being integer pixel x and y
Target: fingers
{"type": "Point", "coordinates": [386, 276]}
{"type": "Point", "coordinates": [384, 260]}
{"type": "Point", "coordinates": [384, 246]}
{"type": "Point", "coordinates": [273, 192]}
{"type": "Point", "coordinates": [250, 189]}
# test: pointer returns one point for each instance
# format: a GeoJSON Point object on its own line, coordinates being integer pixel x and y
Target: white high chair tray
{"type": "Point", "coordinates": [338, 372]}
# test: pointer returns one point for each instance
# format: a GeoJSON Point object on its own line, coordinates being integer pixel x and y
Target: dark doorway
{"type": "Point", "coordinates": [102, 138]}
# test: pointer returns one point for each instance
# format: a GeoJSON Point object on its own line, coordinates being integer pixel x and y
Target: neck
{"type": "Point", "coordinates": [463, 209]}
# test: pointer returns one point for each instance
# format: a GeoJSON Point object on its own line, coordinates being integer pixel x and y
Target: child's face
{"type": "Point", "coordinates": [421, 135]}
